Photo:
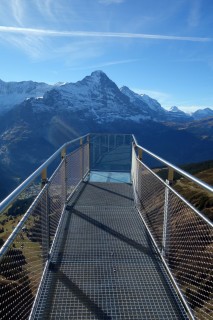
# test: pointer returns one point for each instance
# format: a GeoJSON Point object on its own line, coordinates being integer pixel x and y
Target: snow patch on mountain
{"type": "Point", "coordinates": [97, 94]}
{"type": "Point", "coordinates": [175, 109]}
{"type": "Point", "coordinates": [152, 103]}
{"type": "Point", "coordinates": [149, 108]}
{"type": "Point", "coordinates": [176, 115]}
{"type": "Point", "coordinates": [13, 93]}
{"type": "Point", "coordinates": [143, 98]}
{"type": "Point", "coordinates": [202, 114]}
{"type": "Point", "coordinates": [96, 97]}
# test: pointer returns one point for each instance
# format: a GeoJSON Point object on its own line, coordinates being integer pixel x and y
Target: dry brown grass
{"type": "Point", "coordinates": [197, 196]}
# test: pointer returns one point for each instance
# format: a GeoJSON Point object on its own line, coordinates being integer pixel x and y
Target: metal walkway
{"type": "Point", "coordinates": [80, 246]}
{"type": "Point", "coordinates": [104, 265]}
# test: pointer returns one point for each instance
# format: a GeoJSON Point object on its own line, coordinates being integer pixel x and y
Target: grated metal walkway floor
{"type": "Point", "coordinates": [104, 265]}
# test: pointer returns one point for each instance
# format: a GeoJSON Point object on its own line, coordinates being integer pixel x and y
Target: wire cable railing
{"type": "Point", "coordinates": [26, 253]}
{"type": "Point", "coordinates": [182, 235]}
{"type": "Point", "coordinates": [34, 215]}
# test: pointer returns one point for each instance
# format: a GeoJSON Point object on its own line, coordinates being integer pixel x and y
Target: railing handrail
{"type": "Point", "coordinates": [175, 168]}
{"type": "Point", "coordinates": [15, 193]}
{"type": "Point", "coordinates": [110, 133]}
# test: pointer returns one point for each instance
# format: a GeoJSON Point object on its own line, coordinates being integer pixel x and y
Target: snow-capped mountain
{"type": "Point", "coordinates": [175, 109]}
{"type": "Point", "coordinates": [176, 115]}
{"type": "Point", "coordinates": [96, 96]}
{"type": "Point", "coordinates": [202, 113]}
{"type": "Point", "coordinates": [48, 116]}
{"type": "Point", "coordinates": [13, 93]}
{"type": "Point", "coordinates": [149, 108]}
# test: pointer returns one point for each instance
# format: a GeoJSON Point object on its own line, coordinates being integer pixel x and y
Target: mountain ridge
{"type": "Point", "coordinates": [32, 130]}
{"type": "Point", "coordinates": [13, 93]}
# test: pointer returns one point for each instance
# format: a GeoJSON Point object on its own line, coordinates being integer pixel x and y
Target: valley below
{"type": "Point", "coordinates": [48, 116]}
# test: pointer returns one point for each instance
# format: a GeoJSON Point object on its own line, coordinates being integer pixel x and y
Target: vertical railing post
{"type": "Point", "coordinates": [64, 174]}
{"type": "Point", "coordinates": [43, 177]}
{"type": "Point", "coordinates": [169, 181]}
{"type": "Point", "coordinates": [63, 153]}
{"type": "Point", "coordinates": [47, 221]}
{"type": "Point", "coordinates": [138, 175]}
{"type": "Point", "coordinates": [45, 225]}
{"type": "Point", "coordinates": [133, 165]}
{"type": "Point", "coordinates": [88, 141]}
{"type": "Point", "coordinates": [140, 154]}
{"type": "Point", "coordinates": [170, 175]}
{"type": "Point", "coordinates": [93, 151]}
{"type": "Point", "coordinates": [165, 221]}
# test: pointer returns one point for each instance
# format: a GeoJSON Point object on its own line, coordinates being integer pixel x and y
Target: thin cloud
{"type": "Point", "coordinates": [45, 7]}
{"type": "Point", "coordinates": [195, 14]}
{"type": "Point", "coordinates": [18, 11]}
{"type": "Point", "coordinates": [76, 51]}
{"type": "Point", "coordinates": [55, 33]}
{"type": "Point", "coordinates": [35, 49]}
{"type": "Point", "coordinates": [162, 97]}
{"type": "Point", "coordinates": [106, 64]}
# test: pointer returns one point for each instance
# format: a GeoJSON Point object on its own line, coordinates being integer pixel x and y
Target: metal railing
{"type": "Point", "coordinates": [33, 216]}
{"type": "Point", "coordinates": [110, 152]}
{"type": "Point", "coordinates": [182, 235]}
{"type": "Point", "coordinates": [25, 255]}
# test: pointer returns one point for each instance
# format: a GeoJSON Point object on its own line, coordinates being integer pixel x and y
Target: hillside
{"type": "Point", "coordinates": [49, 116]}
{"type": "Point", "coordinates": [198, 197]}
{"type": "Point", "coordinates": [201, 199]}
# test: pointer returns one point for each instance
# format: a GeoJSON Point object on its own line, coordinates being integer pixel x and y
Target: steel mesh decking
{"type": "Point", "coordinates": [104, 265]}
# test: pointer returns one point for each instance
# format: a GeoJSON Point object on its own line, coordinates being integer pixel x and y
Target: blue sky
{"type": "Point", "coordinates": [163, 48]}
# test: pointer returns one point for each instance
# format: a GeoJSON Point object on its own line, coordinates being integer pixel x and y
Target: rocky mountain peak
{"type": "Point", "coordinates": [98, 74]}
{"type": "Point", "coordinates": [96, 93]}
{"type": "Point", "coordinates": [125, 90]}
{"type": "Point", "coordinates": [203, 113]}
{"type": "Point", "coordinates": [174, 109]}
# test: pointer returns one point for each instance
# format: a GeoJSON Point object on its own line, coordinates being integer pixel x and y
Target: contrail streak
{"type": "Point", "coordinates": [55, 33]}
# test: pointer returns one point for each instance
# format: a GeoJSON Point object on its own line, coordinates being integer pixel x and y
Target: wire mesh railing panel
{"type": "Point", "coordinates": [73, 170]}
{"type": "Point", "coordinates": [183, 236]}
{"type": "Point", "coordinates": [22, 262]}
{"type": "Point", "coordinates": [31, 222]}
{"type": "Point", "coordinates": [189, 255]}
{"type": "Point", "coordinates": [134, 172]}
{"type": "Point", "coordinates": [110, 152]}
{"type": "Point", "coordinates": [56, 199]}
{"type": "Point", "coordinates": [150, 199]}
{"type": "Point", "coordinates": [13, 214]}
{"type": "Point", "coordinates": [77, 165]}
{"type": "Point", "coordinates": [86, 160]}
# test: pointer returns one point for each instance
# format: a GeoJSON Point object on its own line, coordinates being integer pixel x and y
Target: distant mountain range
{"type": "Point", "coordinates": [36, 118]}
{"type": "Point", "coordinates": [108, 101]}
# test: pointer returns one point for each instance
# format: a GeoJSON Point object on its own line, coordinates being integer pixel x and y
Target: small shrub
{"type": "Point", "coordinates": [1, 230]}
